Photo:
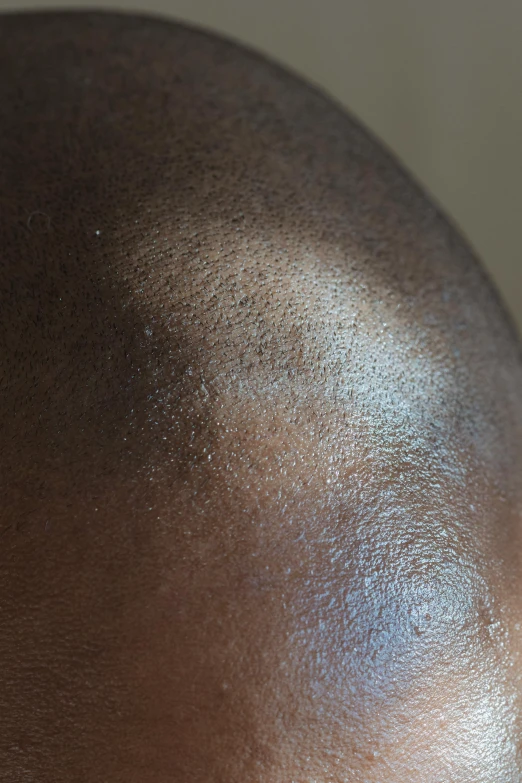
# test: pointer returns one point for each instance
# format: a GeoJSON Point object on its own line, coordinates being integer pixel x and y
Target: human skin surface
{"type": "Point", "coordinates": [260, 433]}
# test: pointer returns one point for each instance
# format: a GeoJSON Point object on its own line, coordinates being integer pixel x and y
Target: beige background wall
{"type": "Point", "coordinates": [439, 80]}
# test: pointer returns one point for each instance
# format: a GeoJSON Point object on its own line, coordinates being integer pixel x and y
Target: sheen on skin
{"type": "Point", "coordinates": [261, 432]}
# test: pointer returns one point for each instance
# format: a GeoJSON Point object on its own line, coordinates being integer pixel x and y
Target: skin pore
{"type": "Point", "coordinates": [261, 433]}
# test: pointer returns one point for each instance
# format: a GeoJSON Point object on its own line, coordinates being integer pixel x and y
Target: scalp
{"type": "Point", "coordinates": [227, 311]}
{"type": "Point", "coordinates": [169, 194]}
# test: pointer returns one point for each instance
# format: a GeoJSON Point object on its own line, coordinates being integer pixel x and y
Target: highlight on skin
{"type": "Point", "coordinates": [261, 432]}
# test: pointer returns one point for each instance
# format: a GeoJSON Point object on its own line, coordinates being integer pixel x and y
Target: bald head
{"type": "Point", "coordinates": [261, 432]}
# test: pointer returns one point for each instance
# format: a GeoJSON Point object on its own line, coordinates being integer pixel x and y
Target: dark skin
{"type": "Point", "coordinates": [261, 426]}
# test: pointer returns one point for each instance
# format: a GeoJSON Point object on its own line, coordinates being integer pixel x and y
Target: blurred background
{"type": "Point", "coordinates": [439, 81]}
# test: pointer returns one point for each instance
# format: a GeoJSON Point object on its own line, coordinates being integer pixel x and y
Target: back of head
{"type": "Point", "coordinates": [261, 430]}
